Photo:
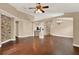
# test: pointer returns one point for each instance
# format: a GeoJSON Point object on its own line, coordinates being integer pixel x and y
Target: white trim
{"type": "Point", "coordinates": [0, 45]}
{"type": "Point", "coordinates": [62, 36]}
{"type": "Point", "coordinates": [24, 36]}
{"type": "Point", "coordinates": [7, 13]}
{"type": "Point", "coordinates": [6, 41]}
{"type": "Point", "coordinates": [13, 39]}
{"type": "Point", "coordinates": [76, 45]}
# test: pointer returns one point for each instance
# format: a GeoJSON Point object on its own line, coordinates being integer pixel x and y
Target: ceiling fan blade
{"type": "Point", "coordinates": [45, 6]}
{"type": "Point", "coordinates": [32, 8]}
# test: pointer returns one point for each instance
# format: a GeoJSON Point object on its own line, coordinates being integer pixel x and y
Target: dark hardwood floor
{"type": "Point", "coordinates": [50, 45]}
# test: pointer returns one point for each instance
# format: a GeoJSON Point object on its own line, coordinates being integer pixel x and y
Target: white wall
{"type": "Point", "coordinates": [25, 28]}
{"type": "Point", "coordinates": [64, 28]}
{"type": "Point", "coordinates": [76, 30]}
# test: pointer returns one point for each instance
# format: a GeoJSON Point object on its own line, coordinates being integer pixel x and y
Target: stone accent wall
{"type": "Point", "coordinates": [5, 28]}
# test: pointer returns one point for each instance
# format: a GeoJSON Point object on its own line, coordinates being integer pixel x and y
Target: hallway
{"type": "Point", "coordinates": [50, 45]}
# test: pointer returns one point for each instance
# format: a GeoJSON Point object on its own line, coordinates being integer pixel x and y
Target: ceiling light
{"type": "Point", "coordinates": [39, 8]}
{"type": "Point", "coordinates": [38, 11]}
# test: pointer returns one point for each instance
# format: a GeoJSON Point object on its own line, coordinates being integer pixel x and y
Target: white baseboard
{"type": "Point", "coordinates": [24, 36]}
{"type": "Point", "coordinates": [62, 36]}
{"type": "Point", "coordinates": [0, 45]}
{"type": "Point", "coordinates": [13, 39]}
{"type": "Point", "coordinates": [75, 45]}
{"type": "Point", "coordinates": [6, 41]}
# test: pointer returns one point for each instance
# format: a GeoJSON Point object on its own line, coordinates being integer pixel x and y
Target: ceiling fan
{"type": "Point", "coordinates": [39, 8]}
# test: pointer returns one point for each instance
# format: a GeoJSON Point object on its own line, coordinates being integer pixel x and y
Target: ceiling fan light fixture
{"type": "Point", "coordinates": [39, 11]}
{"type": "Point", "coordinates": [39, 8]}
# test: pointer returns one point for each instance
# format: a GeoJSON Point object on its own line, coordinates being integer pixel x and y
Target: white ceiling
{"type": "Point", "coordinates": [55, 9]}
